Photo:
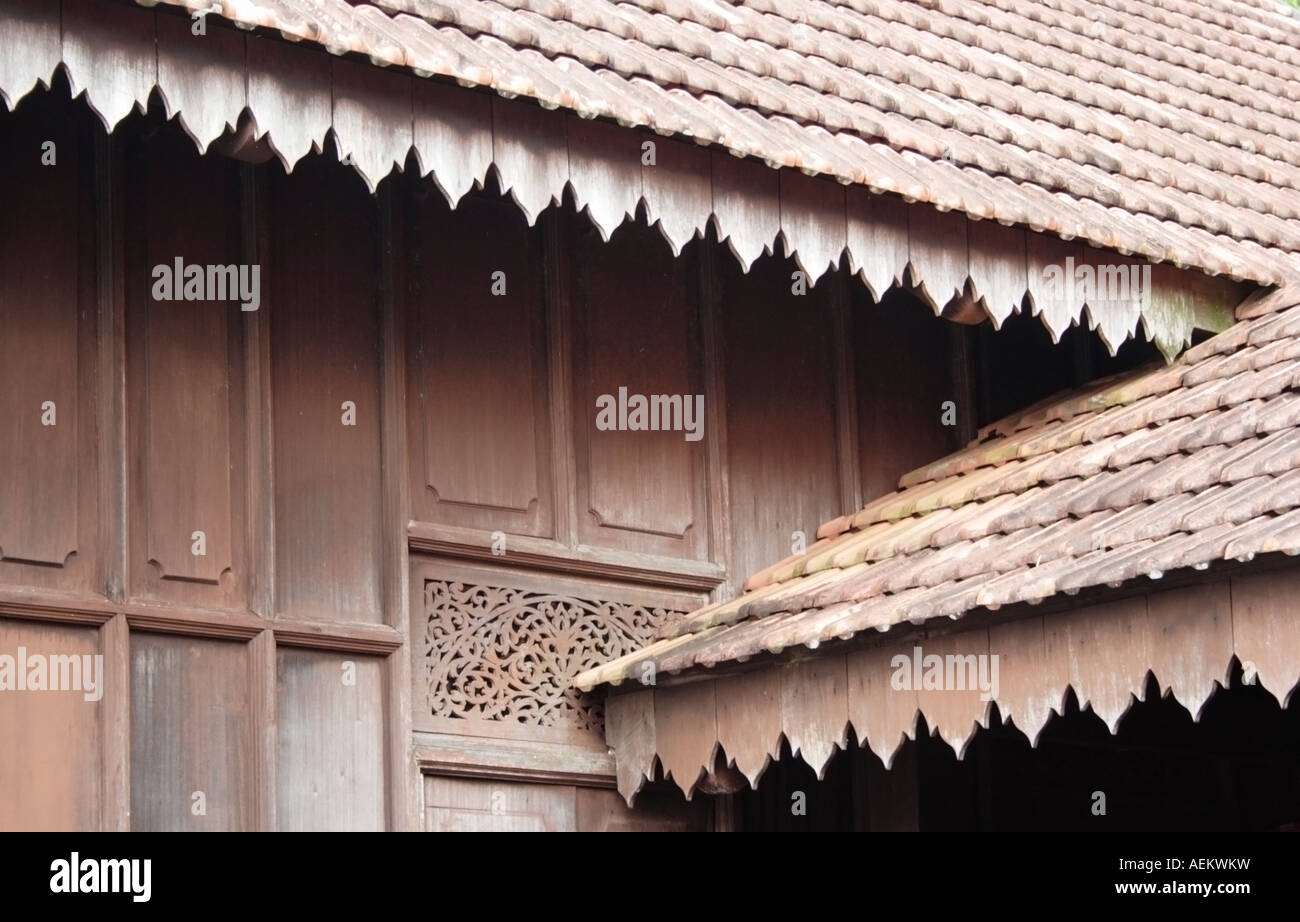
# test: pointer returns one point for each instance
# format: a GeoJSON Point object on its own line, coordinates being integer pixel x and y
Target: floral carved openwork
{"type": "Point", "coordinates": [496, 653]}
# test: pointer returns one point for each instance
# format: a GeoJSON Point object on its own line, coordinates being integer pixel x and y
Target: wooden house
{"type": "Point", "coordinates": [437, 414]}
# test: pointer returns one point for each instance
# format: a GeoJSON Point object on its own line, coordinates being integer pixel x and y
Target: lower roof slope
{"type": "Point", "coordinates": [1169, 468]}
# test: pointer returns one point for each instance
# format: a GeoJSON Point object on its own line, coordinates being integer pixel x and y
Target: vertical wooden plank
{"type": "Point", "coordinates": [1114, 303]}
{"type": "Point", "coordinates": [630, 733]}
{"type": "Point", "coordinates": [261, 757]}
{"type": "Point", "coordinates": [325, 363]}
{"type": "Point", "coordinates": [112, 59]}
{"type": "Point", "coordinates": [846, 405]}
{"type": "Point", "coordinates": [114, 768]}
{"type": "Point", "coordinates": [1050, 264]}
{"type": "Point", "coordinates": [686, 732]}
{"type": "Point", "coordinates": [52, 756]}
{"type": "Point", "coordinates": [372, 118]}
{"type": "Point", "coordinates": [877, 239]}
{"type": "Point", "coordinates": [479, 363]}
{"type": "Point", "coordinates": [604, 171]}
{"type": "Point", "coordinates": [289, 96]}
{"type": "Point", "coordinates": [882, 716]}
{"type": "Point", "coordinates": [1189, 641]}
{"type": "Point", "coordinates": [714, 352]}
{"type": "Point", "coordinates": [815, 709]}
{"type": "Point", "coordinates": [201, 78]}
{"type": "Point", "coordinates": [255, 246]}
{"type": "Point", "coordinates": [678, 191]}
{"type": "Point", "coordinates": [1033, 673]}
{"type": "Point", "coordinates": [939, 254]}
{"type": "Point", "coordinates": [43, 446]}
{"type": "Point", "coordinates": [528, 148]}
{"type": "Point", "coordinates": [746, 206]}
{"type": "Point", "coordinates": [558, 236]}
{"type": "Point", "coordinates": [812, 222]}
{"type": "Point", "coordinates": [453, 137]}
{"type": "Point", "coordinates": [1106, 646]}
{"type": "Point", "coordinates": [33, 47]}
{"type": "Point", "coordinates": [749, 721]}
{"type": "Point", "coordinates": [998, 268]}
{"type": "Point", "coordinates": [331, 754]}
{"type": "Point", "coordinates": [1266, 631]}
{"type": "Point", "coordinates": [191, 732]}
{"type": "Point", "coordinates": [111, 363]}
{"type": "Point", "coordinates": [403, 775]}
{"type": "Point", "coordinates": [959, 705]}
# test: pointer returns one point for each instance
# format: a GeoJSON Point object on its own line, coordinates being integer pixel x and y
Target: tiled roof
{"type": "Point", "coordinates": [1175, 467]}
{"type": "Point", "coordinates": [1163, 128]}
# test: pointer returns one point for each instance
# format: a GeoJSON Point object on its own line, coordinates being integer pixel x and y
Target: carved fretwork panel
{"type": "Point", "coordinates": [497, 659]}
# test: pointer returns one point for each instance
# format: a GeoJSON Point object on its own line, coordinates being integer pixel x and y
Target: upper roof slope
{"type": "Point", "coordinates": [1164, 128]}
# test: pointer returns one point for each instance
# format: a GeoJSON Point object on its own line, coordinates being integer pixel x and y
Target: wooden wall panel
{"type": "Point", "coordinates": [48, 476]}
{"type": "Point", "coordinates": [191, 732]}
{"type": "Point", "coordinates": [637, 326]}
{"type": "Point", "coordinates": [324, 284]}
{"type": "Point", "coordinates": [479, 403]}
{"type": "Point", "coordinates": [904, 369]}
{"type": "Point", "coordinates": [330, 757]}
{"type": "Point", "coordinates": [49, 740]}
{"type": "Point", "coordinates": [781, 414]}
{"type": "Point", "coordinates": [184, 381]}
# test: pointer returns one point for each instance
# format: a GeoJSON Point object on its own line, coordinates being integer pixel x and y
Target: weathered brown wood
{"type": "Point", "coordinates": [1106, 648]}
{"type": "Point", "coordinates": [746, 206]}
{"type": "Point", "coordinates": [881, 715]}
{"type": "Point", "coordinates": [184, 375]}
{"type": "Point", "coordinates": [191, 738]}
{"type": "Point", "coordinates": [813, 222]}
{"type": "Point", "coordinates": [1189, 642]}
{"type": "Point", "coordinates": [289, 96]}
{"type": "Point", "coordinates": [112, 59]}
{"type": "Point", "coordinates": [1033, 673]}
{"type": "Point", "coordinates": [48, 451]}
{"type": "Point", "coordinates": [815, 710]}
{"type": "Point", "coordinates": [997, 268]}
{"type": "Point", "coordinates": [939, 258]}
{"type": "Point", "coordinates": [201, 78]}
{"type": "Point", "coordinates": [330, 757]}
{"type": "Point", "coordinates": [1052, 304]}
{"type": "Point", "coordinates": [605, 172]}
{"type": "Point", "coordinates": [638, 490]}
{"type": "Point", "coordinates": [687, 751]}
{"type": "Point", "coordinates": [264, 741]}
{"type": "Point", "coordinates": [453, 137]}
{"type": "Point", "coordinates": [960, 705]}
{"type": "Point", "coordinates": [678, 194]}
{"type": "Point", "coordinates": [749, 721]}
{"type": "Point", "coordinates": [530, 155]}
{"type": "Point", "coordinates": [877, 239]}
{"type": "Point", "coordinates": [115, 727]}
{"type": "Point", "coordinates": [1265, 630]}
{"type": "Point", "coordinates": [46, 786]}
{"type": "Point", "coordinates": [373, 121]}
{"type": "Point", "coordinates": [630, 732]}
{"type": "Point", "coordinates": [32, 30]}
{"type": "Point", "coordinates": [476, 336]}
{"type": "Point", "coordinates": [471, 805]}
{"type": "Point", "coordinates": [324, 345]}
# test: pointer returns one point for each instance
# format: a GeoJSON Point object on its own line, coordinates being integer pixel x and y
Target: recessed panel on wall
{"type": "Point", "coordinates": [330, 721]}
{"type": "Point", "coordinates": [51, 707]}
{"type": "Point", "coordinates": [781, 415]}
{"type": "Point", "coordinates": [639, 397]}
{"type": "Point", "coordinates": [184, 272]}
{"type": "Point", "coordinates": [324, 284]}
{"type": "Point", "coordinates": [191, 734]}
{"type": "Point", "coordinates": [48, 473]}
{"type": "Point", "coordinates": [479, 394]}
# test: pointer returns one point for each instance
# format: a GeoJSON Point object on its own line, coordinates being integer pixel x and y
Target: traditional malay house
{"type": "Point", "coordinates": [657, 414]}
